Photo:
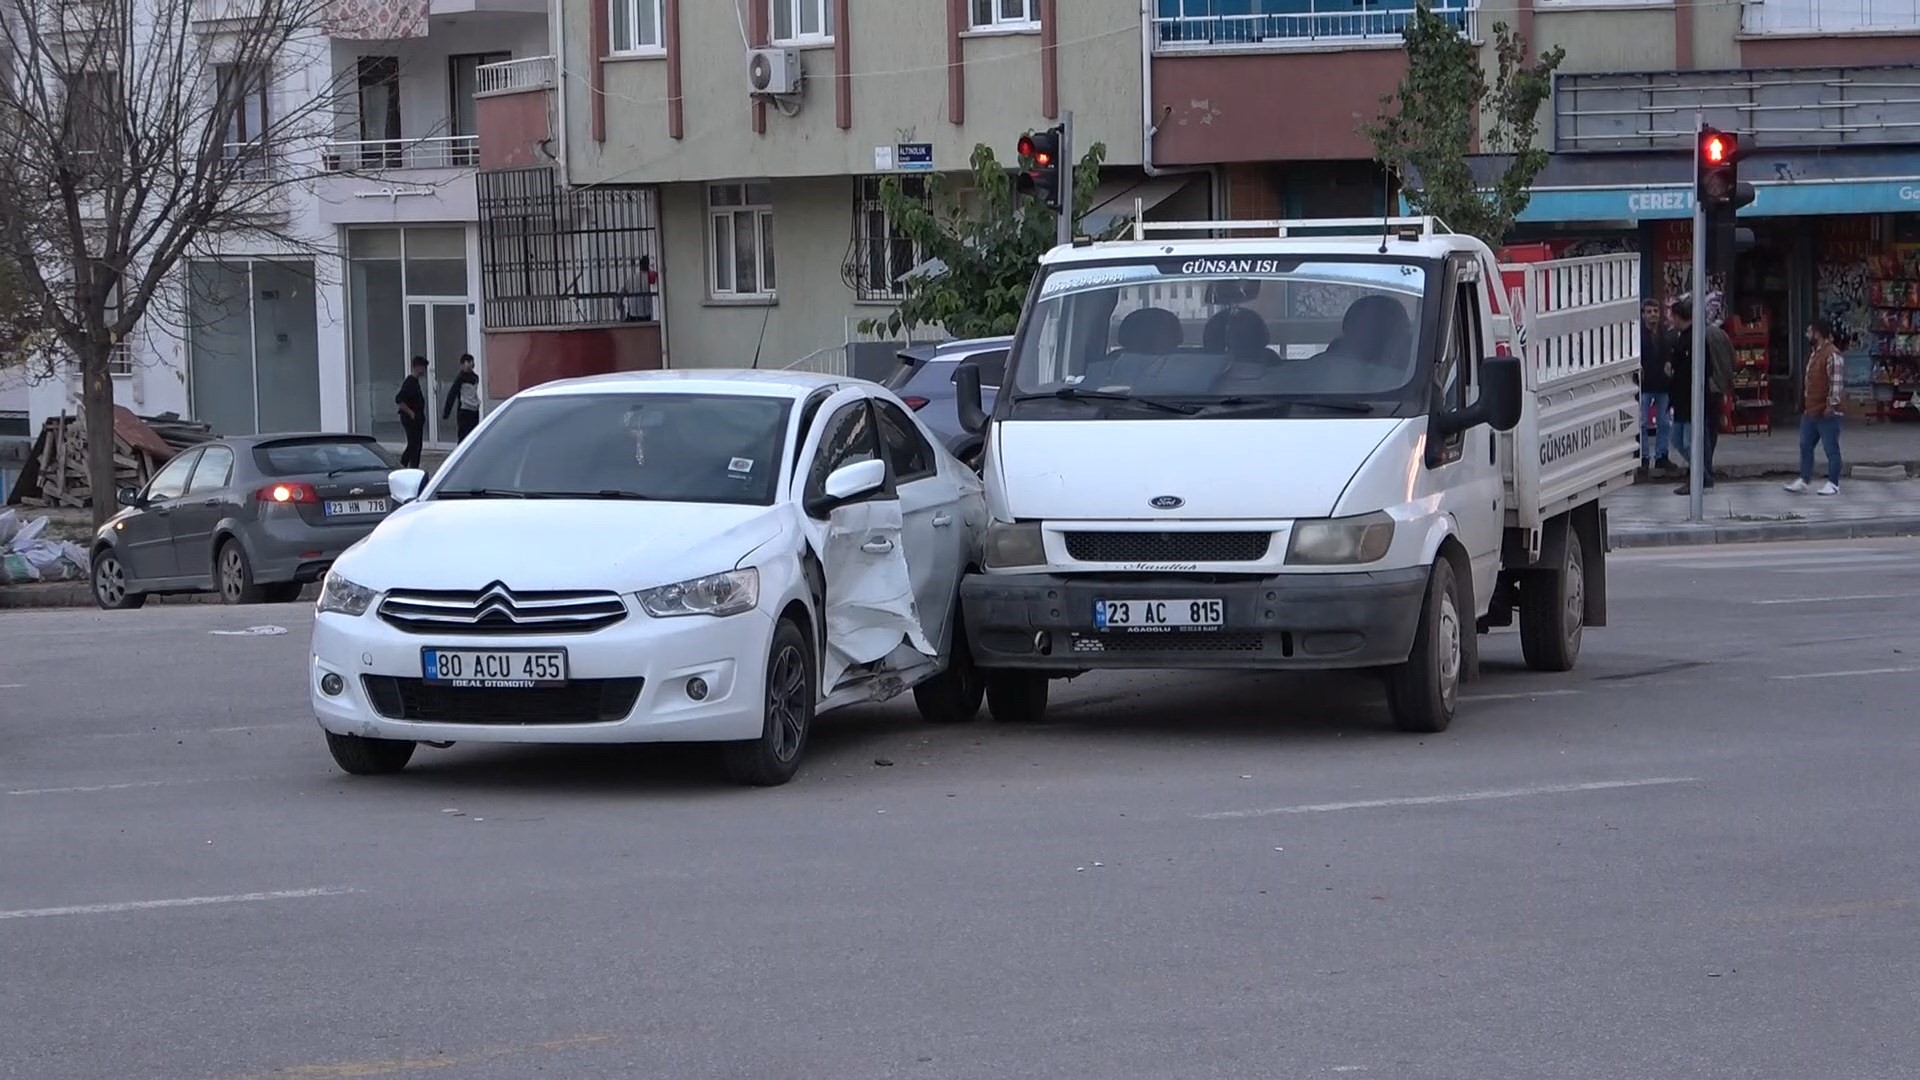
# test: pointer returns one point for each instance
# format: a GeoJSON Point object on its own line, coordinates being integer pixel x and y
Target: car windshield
{"type": "Point", "coordinates": [324, 456]}
{"type": "Point", "coordinates": [698, 448]}
{"type": "Point", "coordinates": [1225, 336]}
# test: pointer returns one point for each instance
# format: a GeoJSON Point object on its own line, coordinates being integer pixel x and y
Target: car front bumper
{"type": "Point", "coordinates": [1290, 622]}
{"type": "Point", "coordinates": [380, 667]}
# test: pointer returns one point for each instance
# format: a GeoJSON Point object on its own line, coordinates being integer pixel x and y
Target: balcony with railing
{"type": "Point", "coordinates": [514, 76]}
{"type": "Point", "coordinates": [1772, 107]}
{"type": "Point", "coordinates": [1190, 26]}
{"type": "Point", "coordinates": [1810, 18]}
{"type": "Point", "coordinates": [514, 109]}
{"type": "Point", "coordinates": [390, 155]}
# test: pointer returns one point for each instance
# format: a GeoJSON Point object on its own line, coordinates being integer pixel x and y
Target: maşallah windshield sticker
{"type": "Point", "coordinates": [1098, 277]}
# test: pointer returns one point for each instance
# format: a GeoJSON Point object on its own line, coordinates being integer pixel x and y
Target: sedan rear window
{"type": "Point", "coordinates": [322, 456]}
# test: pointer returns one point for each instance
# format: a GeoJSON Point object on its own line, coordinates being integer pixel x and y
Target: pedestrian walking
{"type": "Point", "coordinates": [411, 402]}
{"type": "Point", "coordinates": [464, 397]}
{"type": "Point", "coordinates": [1821, 395]}
{"type": "Point", "coordinates": [1656, 376]}
{"type": "Point", "coordinates": [1719, 382]}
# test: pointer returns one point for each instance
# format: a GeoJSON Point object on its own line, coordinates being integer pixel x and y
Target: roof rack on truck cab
{"type": "Point", "coordinates": [1407, 228]}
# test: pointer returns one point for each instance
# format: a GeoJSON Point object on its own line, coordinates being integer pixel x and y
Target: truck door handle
{"type": "Point", "coordinates": [879, 546]}
{"type": "Point", "coordinates": [941, 521]}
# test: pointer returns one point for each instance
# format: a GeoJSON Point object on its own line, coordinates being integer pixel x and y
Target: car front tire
{"type": "Point", "coordinates": [787, 715]}
{"type": "Point", "coordinates": [362, 756]}
{"type": "Point", "coordinates": [112, 588]}
{"type": "Point", "coordinates": [1423, 693]}
{"type": "Point", "coordinates": [954, 695]}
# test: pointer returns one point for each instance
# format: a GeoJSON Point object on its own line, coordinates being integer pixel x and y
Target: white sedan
{"type": "Point", "coordinates": [656, 557]}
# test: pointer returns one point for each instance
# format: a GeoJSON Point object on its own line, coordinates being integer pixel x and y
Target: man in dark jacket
{"type": "Point", "coordinates": [1656, 373]}
{"type": "Point", "coordinates": [1719, 381]}
{"type": "Point", "coordinates": [411, 402]}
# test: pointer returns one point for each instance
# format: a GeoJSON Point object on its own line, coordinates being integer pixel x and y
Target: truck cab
{"type": "Point", "coordinates": [1281, 452]}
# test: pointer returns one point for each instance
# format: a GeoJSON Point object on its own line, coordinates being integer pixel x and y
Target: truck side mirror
{"type": "Point", "coordinates": [966, 398]}
{"type": "Point", "coordinates": [1501, 388]}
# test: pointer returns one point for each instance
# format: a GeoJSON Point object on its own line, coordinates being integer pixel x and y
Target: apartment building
{"type": "Point", "coordinates": [1270, 96]}
{"type": "Point", "coordinates": [753, 136]}
{"type": "Point", "coordinates": [376, 250]}
{"type": "Point", "coordinates": [1825, 98]}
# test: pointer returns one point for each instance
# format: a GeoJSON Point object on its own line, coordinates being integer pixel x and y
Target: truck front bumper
{"type": "Point", "coordinates": [1293, 621]}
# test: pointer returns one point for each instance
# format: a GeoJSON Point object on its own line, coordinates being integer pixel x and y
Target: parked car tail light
{"type": "Point", "coordinates": [292, 492]}
{"type": "Point", "coordinates": [915, 403]}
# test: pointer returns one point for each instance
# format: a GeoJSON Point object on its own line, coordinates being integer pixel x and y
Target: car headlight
{"type": "Point", "coordinates": [344, 597]}
{"type": "Point", "coordinates": [1018, 544]}
{"type": "Point", "coordinates": [1340, 541]}
{"type": "Point", "coordinates": [716, 594]}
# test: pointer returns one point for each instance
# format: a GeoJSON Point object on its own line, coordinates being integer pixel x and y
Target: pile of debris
{"type": "Point", "coordinates": [56, 472]}
{"type": "Point", "coordinates": [26, 555]}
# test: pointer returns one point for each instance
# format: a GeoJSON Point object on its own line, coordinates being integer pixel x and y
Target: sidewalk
{"type": "Point", "coordinates": [1649, 514]}
{"type": "Point", "coordinates": [1748, 457]}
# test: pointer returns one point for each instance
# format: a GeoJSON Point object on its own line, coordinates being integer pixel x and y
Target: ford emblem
{"type": "Point", "coordinates": [1166, 502]}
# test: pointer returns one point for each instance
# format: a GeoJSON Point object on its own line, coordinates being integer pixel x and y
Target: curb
{"type": "Point", "coordinates": [78, 594]}
{"type": "Point", "coordinates": [1759, 532]}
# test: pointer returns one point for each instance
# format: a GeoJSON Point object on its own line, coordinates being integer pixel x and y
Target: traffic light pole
{"type": "Point", "coordinates": [1065, 224]}
{"type": "Point", "coordinates": [1697, 421]}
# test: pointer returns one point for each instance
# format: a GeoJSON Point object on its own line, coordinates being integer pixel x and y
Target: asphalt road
{"type": "Point", "coordinates": [1694, 856]}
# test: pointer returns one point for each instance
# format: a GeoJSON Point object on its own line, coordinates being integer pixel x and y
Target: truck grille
{"type": "Point", "coordinates": [583, 701]}
{"type": "Point", "coordinates": [1195, 547]}
{"type": "Point", "coordinates": [497, 609]}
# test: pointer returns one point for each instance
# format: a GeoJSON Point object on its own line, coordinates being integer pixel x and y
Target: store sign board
{"type": "Point", "coordinates": [1770, 200]}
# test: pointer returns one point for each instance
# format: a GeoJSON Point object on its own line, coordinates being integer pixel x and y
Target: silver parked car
{"type": "Point", "coordinates": [253, 518]}
{"type": "Point", "coordinates": [924, 380]}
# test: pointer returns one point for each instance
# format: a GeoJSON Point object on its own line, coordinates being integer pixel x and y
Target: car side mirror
{"type": "Point", "coordinates": [847, 483]}
{"type": "Point", "coordinates": [405, 484]}
{"type": "Point", "coordinates": [129, 496]}
{"type": "Point", "coordinates": [966, 398]}
{"type": "Point", "coordinates": [1501, 391]}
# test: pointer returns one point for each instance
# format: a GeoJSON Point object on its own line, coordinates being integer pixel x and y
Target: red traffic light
{"type": "Point", "coordinates": [1031, 150]}
{"type": "Point", "coordinates": [1718, 148]}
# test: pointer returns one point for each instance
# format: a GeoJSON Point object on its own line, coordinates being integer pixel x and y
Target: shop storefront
{"type": "Point", "coordinates": [1836, 236]}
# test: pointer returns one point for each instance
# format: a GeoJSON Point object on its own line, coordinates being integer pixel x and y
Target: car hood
{"type": "Point", "coordinates": [1091, 470]}
{"type": "Point", "coordinates": [554, 544]}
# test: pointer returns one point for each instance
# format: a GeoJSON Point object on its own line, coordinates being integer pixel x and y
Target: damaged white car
{"type": "Point", "coordinates": [656, 557]}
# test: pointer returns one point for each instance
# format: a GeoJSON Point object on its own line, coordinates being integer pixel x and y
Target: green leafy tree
{"type": "Point", "coordinates": [989, 239]}
{"type": "Point", "coordinates": [1428, 123]}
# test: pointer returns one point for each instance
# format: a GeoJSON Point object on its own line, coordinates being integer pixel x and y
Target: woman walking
{"type": "Point", "coordinates": [1821, 396]}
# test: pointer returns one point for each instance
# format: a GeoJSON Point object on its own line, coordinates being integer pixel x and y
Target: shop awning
{"type": "Point", "coordinates": [1113, 199]}
{"type": "Point", "coordinates": [1649, 186]}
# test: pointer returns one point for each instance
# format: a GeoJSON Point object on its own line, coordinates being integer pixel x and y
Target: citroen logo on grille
{"type": "Point", "coordinates": [1166, 502]}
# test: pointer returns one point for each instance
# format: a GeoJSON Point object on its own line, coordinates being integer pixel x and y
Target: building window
{"type": "Point", "coordinates": [636, 26]}
{"type": "Point", "coordinates": [92, 113]}
{"type": "Point", "coordinates": [802, 21]}
{"type": "Point", "coordinates": [881, 252]}
{"type": "Point", "coordinates": [463, 82]}
{"type": "Point", "coordinates": [1004, 14]}
{"type": "Point", "coordinates": [740, 228]}
{"type": "Point", "coordinates": [243, 93]}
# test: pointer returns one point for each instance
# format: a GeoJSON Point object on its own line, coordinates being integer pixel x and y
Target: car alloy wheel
{"type": "Point", "coordinates": [109, 581]}
{"type": "Point", "coordinates": [233, 574]}
{"type": "Point", "coordinates": [787, 702]}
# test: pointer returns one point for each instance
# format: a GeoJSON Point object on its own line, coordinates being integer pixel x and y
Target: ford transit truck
{"type": "Point", "coordinates": [1272, 448]}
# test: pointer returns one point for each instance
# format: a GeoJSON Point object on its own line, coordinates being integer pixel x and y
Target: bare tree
{"type": "Point", "coordinates": [134, 132]}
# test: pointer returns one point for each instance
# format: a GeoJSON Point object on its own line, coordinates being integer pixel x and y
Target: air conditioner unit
{"type": "Point", "coordinates": [774, 71]}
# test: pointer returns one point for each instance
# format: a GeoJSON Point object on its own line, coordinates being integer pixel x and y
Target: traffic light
{"type": "Point", "coordinates": [1041, 170]}
{"type": "Point", "coordinates": [1717, 165]}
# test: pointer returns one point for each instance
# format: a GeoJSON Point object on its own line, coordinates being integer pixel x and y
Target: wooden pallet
{"type": "Point", "coordinates": [56, 470]}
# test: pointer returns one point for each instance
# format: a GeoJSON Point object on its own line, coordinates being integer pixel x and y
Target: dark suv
{"type": "Point", "coordinates": [924, 381]}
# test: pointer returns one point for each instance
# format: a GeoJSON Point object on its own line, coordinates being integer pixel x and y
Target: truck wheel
{"type": "Point", "coordinates": [1553, 608]}
{"type": "Point", "coordinates": [1017, 697]}
{"type": "Point", "coordinates": [1423, 692]}
{"type": "Point", "coordinates": [953, 696]}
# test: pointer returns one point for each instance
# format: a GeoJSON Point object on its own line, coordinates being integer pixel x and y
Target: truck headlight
{"type": "Point", "coordinates": [716, 594]}
{"type": "Point", "coordinates": [1340, 541]}
{"type": "Point", "coordinates": [1009, 546]}
{"type": "Point", "coordinates": [343, 597]}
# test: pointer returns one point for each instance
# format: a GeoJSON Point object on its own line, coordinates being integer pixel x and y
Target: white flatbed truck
{"type": "Point", "coordinates": [1281, 449]}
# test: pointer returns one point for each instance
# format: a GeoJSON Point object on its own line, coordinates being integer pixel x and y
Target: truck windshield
{"type": "Point", "coordinates": [1225, 336]}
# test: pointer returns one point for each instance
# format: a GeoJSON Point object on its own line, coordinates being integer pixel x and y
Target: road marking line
{"type": "Point", "coordinates": [1519, 696]}
{"type": "Point", "coordinates": [341, 1070]}
{"type": "Point", "coordinates": [1844, 674]}
{"type": "Point", "coordinates": [189, 901]}
{"type": "Point", "coordinates": [1435, 800]}
{"type": "Point", "coordinates": [13, 686]}
{"type": "Point", "coordinates": [1839, 599]}
{"type": "Point", "coordinates": [129, 786]}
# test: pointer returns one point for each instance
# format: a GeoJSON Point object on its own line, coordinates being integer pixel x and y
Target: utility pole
{"type": "Point", "coordinates": [1065, 223]}
{"type": "Point", "coordinates": [1697, 421]}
